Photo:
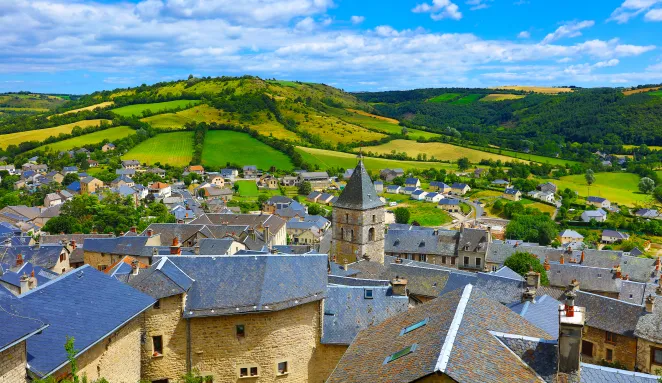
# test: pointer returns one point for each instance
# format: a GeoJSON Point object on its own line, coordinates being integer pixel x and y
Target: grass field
{"type": "Point", "coordinates": [538, 205]}
{"type": "Point", "coordinates": [468, 99]}
{"type": "Point", "coordinates": [526, 156]}
{"type": "Point", "coordinates": [640, 90]}
{"type": "Point", "coordinates": [138, 109]}
{"type": "Point", "coordinates": [372, 121]}
{"type": "Point", "coordinates": [328, 127]}
{"type": "Point", "coordinates": [223, 146]}
{"type": "Point", "coordinates": [425, 213]}
{"type": "Point", "coordinates": [12, 109]}
{"type": "Point", "coordinates": [111, 134]}
{"type": "Point", "coordinates": [536, 89]}
{"type": "Point", "coordinates": [616, 187]}
{"type": "Point", "coordinates": [501, 97]}
{"type": "Point", "coordinates": [444, 97]}
{"type": "Point", "coordinates": [651, 147]}
{"type": "Point", "coordinates": [42, 134]}
{"type": "Point", "coordinates": [247, 188]}
{"type": "Point", "coordinates": [176, 121]}
{"type": "Point", "coordinates": [657, 93]}
{"type": "Point", "coordinates": [174, 148]}
{"type": "Point", "coordinates": [434, 150]}
{"type": "Point", "coordinates": [328, 158]}
{"type": "Point", "coordinates": [91, 107]}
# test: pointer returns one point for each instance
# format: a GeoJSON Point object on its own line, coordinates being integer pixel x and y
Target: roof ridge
{"type": "Point", "coordinates": [166, 259]}
{"type": "Point", "coordinates": [447, 346]}
{"type": "Point", "coordinates": [61, 277]}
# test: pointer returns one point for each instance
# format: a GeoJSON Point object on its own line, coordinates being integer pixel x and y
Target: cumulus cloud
{"type": "Point", "coordinates": [439, 9]}
{"type": "Point", "coordinates": [357, 19]}
{"type": "Point", "coordinates": [630, 9]}
{"type": "Point", "coordinates": [654, 15]}
{"type": "Point", "coordinates": [478, 4]}
{"type": "Point", "coordinates": [524, 35]}
{"type": "Point", "coordinates": [572, 29]}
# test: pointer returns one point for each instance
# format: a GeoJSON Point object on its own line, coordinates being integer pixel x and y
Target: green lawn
{"type": "Point", "coordinates": [657, 93]}
{"type": "Point", "coordinates": [247, 188]}
{"type": "Point", "coordinates": [328, 158]}
{"type": "Point", "coordinates": [175, 149]}
{"type": "Point", "coordinates": [372, 121]}
{"type": "Point", "coordinates": [468, 99]}
{"type": "Point", "coordinates": [138, 109]}
{"type": "Point", "coordinates": [425, 213]}
{"type": "Point", "coordinates": [223, 146]}
{"type": "Point", "coordinates": [616, 187]}
{"type": "Point", "coordinates": [525, 156]}
{"type": "Point", "coordinates": [111, 134]}
{"type": "Point", "coordinates": [444, 97]}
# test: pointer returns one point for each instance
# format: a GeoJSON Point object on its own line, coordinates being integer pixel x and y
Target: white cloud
{"type": "Point", "coordinates": [440, 9]}
{"type": "Point", "coordinates": [572, 29]}
{"type": "Point", "coordinates": [654, 15]}
{"type": "Point", "coordinates": [564, 60]}
{"type": "Point", "coordinates": [630, 9]}
{"type": "Point", "coordinates": [524, 35]}
{"type": "Point", "coordinates": [357, 19]}
{"type": "Point", "coordinates": [605, 64]}
{"type": "Point", "coordinates": [478, 4]}
{"type": "Point", "coordinates": [305, 25]}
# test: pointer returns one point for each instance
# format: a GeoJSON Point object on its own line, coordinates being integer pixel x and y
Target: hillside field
{"type": "Point", "coordinates": [176, 121]}
{"type": "Point", "coordinates": [138, 109]}
{"type": "Point", "coordinates": [616, 187]}
{"type": "Point", "coordinates": [501, 97]}
{"type": "Point", "coordinates": [328, 158]}
{"type": "Point", "coordinates": [444, 97]}
{"type": "Point", "coordinates": [382, 124]}
{"type": "Point", "coordinates": [526, 156]}
{"type": "Point", "coordinates": [536, 89]}
{"type": "Point", "coordinates": [91, 107]}
{"type": "Point", "coordinates": [167, 148]}
{"type": "Point", "coordinates": [438, 150]}
{"type": "Point", "coordinates": [42, 134]}
{"type": "Point", "coordinates": [223, 146]}
{"type": "Point", "coordinates": [468, 99]}
{"type": "Point", "coordinates": [111, 134]}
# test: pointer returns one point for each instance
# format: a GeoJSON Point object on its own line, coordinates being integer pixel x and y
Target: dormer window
{"type": "Point", "coordinates": [367, 294]}
{"type": "Point", "coordinates": [415, 326]}
{"type": "Point", "coordinates": [422, 244]}
{"type": "Point", "coordinates": [396, 243]}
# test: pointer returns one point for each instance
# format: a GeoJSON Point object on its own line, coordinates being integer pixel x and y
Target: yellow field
{"type": "Point", "coordinates": [91, 107]}
{"type": "Point", "coordinates": [535, 89]}
{"type": "Point", "coordinates": [42, 134]}
{"type": "Point", "coordinates": [435, 150]}
{"type": "Point", "coordinates": [176, 121]}
{"type": "Point", "coordinates": [391, 120]}
{"type": "Point", "coordinates": [123, 93]}
{"type": "Point", "coordinates": [330, 128]}
{"type": "Point", "coordinates": [651, 147]}
{"type": "Point", "coordinates": [501, 97]}
{"type": "Point", "coordinates": [641, 90]}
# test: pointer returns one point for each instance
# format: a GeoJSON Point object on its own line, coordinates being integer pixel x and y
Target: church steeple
{"type": "Point", "coordinates": [360, 193]}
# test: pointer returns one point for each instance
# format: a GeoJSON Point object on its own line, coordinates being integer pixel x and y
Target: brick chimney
{"type": "Point", "coordinates": [32, 281]}
{"type": "Point", "coordinates": [617, 271]}
{"type": "Point", "coordinates": [529, 295]}
{"type": "Point", "coordinates": [650, 303]}
{"type": "Point", "coordinates": [561, 260]}
{"type": "Point", "coordinates": [175, 248]}
{"type": "Point", "coordinates": [73, 244]}
{"type": "Point", "coordinates": [573, 285]}
{"type": "Point", "coordinates": [150, 232]}
{"type": "Point", "coordinates": [571, 324]}
{"type": "Point", "coordinates": [581, 260]}
{"type": "Point", "coordinates": [546, 265]}
{"type": "Point", "coordinates": [19, 259]}
{"type": "Point", "coordinates": [399, 286]}
{"type": "Point", "coordinates": [25, 284]}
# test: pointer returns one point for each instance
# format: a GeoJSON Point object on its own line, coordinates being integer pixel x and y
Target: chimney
{"type": "Point", "coordinates": [134, 229]}
{"type": "Point", "coordinates": [175, 248]}
{"type": "Point", "coordinates": [658, 290]}
{"type": "Point", "coordinates": [150, 232]}
{"type": "Point", "coordinates": [532, 279]}
{"type": "Point", "coordinates": [399, 286]}
{"type": "Point", "coordinates": [561, 260]}
{"type": "Point", "coordinates": [32, 281]}
{"type": "Point", "coordinates": [266, 234]}
{"type": "Point", "coordinates": [582, 257]}
{"type": "Point", "coordinates": [650, 303]}
{"type": "Point", "coordinates": [617, 271]}
{"type": "Point", "coordinates": [196, 250]}
{"type": "Point", "coordinates": [398, 260]}
{"type": "Point", "coordinates": [25, 284]}
{"type": "Point", "coordinates": [135, 268]}
{"type": "Point", "coordinates": [571, 324]}
{"type": "Point", "coordinates": [546, 265]}
{"type": "Point", "coordinates": [73, 244]}
{"type": "Point", "coordinates": [573, 285]}
{"type": "Point", "coordinates": [251, 233]}
{"type": "Point", "coordinates": [19, 259]}
{"type": "Point", "coordinates": [529, 295]}
{"type": "Point", "coordinates": [121, 233]}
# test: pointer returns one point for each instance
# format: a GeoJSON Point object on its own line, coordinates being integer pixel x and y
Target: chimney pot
{"type": "Point", "coordinates": [546, 265]}
{"type": "Point", "coordinates": [196, 250]}
{"type": "Point", "coordinates": [562, 260]}
{"type": "Point", "coordinates": [582, 257]}
{"type": "Point", "coordinates": [135, 267]}
{"type": "Point", "coordinates": [617, 271]}
{"type": "Point", "coordinates": [529, 295]}
{"type": "Point", "coordinates": [650, 303]}
{"type": "Point", "coordinates": [150, 232]}
{"type": "Point", "coordinates": [25, 284]}
{"type": "Point", "coordinates": [73, 244]}
{"type": "Point", "coordinates": [399, 286]}
{"type": "Point", "coordinates": [19, 259]}
{"type": "Point", "coordinates": [134, 229]}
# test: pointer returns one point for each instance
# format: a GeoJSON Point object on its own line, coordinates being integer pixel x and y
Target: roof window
{"type": "Point", "coordinates": [415, 326]}
{"type": "Point", "coordinates": [401, 353]}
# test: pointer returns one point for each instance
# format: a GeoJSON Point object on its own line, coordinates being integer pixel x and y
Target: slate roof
{"type": "Point", "coordinates": [13, 277]}
{"type": "Point", "coordinates": [238, 284]}
{"type": "Point", "coordinates": [162, 279]}
{"type": "Point", "coordinates": [649, 326]}
{"type": "Point", "coordinates": [213, 246]}
{"type": "Point", "coordinates": [510, 191]}
{"type": "Point", "coordinates": [420, 242]}
{"type": "Point", "coordinates": [636, 292]}
{"type": "Point", "coordinates": [571, 234]}
{"type": "Point", "coordinates": [121, 245]}
{"type": "Point", "coordinates": [614, 234]}
{"type": "Point", "coordinates": [347, 311]}
{"type": "Point", "coordinates": [457, 185]}
{"type": "Point", "coordinates": [45, 239]}
{"type": "Point", "coordinates": [182, 232]}
{"type": "Point", "coordinates": [647, 213]}
{"type": "Point", "coordinates": [609, 314]}
{"type": "Point", "coordinates": [360, 193]}
{"type": "Point", "coordinates": [45, 256]}
{"type": "Point", "coordinates": [449, 201]}
{"type": "Point", "coordinates": [591, 373]}
{"type": "Point", "coordinates": [59, 303]}
{"type": "Point", "coordinates": [590, 278]}
{"type": "Point", "coordinates": [19, 322]}
{"type": "Point", "coordinates": [539, 354]}
{"type": "Point", "coordinates": [255, 221]}
{"type": "Point", "coordinates": [543, 313]}
{"type": "Point", "coordinates": [595, 199]}
{"type": "Point", "coordinates": [507, 272]}
{"type": "Point", "coordinates": [458, 325]}
{"type": "Point", "coordinates": [411, 181]}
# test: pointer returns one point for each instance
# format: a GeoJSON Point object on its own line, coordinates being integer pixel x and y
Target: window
{"type": "Point", "coordinates": [477, 261]}
{"type": "Point", "coordinates": [424, 258]}
{"type": "Point", "coordinates": [243, 372]}
{"type": "Point", "coordinates": [63, 257]}
{"type": "Point", "coordinates": [587, 348]}
{"type": "Point", "coordinates": [282, 368]}
{"type": "Point", "coordinates": [352, 235]}
{"type": "Point", "coordinates": [400, 354]}
{"type": "Point", "coordinates": [157, 345]}
{"type": "Point", "coordinates": [342, 233]}
{"type": "Point", "coordinates": [347, 218]}
{"type": "Point", "coordinates": [413, 327]}
{"type": "Point", "coordinates": [374, 218]}
{"type": "Point", "coordinates": [466, 261]}
{"type": "Point", "coordinates": [240, 330]}
{"type": "Point", "coordinates": [443, 259]}
{"type": "Point", "coordinates": [656, 355]}
{"type": "Point", "coordinates": [371, 234]}
{"type": "Point", "coordinates": [157, 304]}
{"type": "Point", "coordinates": [452, 260]}
{"type": "Point", "coordinates": [494, 268]}
{"type": "Point", "coordinates": [609, 355]}
{"type": "Point", "coordinates": [253, 371]}
{"type": "Point", "coordinates": [367, 293]}
{"type": "Point", "coordinates": [248, 371]}
{"type": "Point", "coordinates": [610, 337]}
{"type": "Point", "coordinates": [102, 267]}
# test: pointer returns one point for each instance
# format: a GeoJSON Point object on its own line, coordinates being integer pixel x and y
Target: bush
{"type": "Point", "coordinates": [522, 262]}
{"type": "Point", "coordinates": [402, 215]}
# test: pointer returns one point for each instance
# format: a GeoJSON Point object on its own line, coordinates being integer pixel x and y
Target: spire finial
{"type": "Point", "coordinates": [360, 156]}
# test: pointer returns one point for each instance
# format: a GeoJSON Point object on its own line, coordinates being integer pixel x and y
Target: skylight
{"type": "Point", "coordinates": [413, 327]}
{"type": "Point", "coordinates": [400, 353]}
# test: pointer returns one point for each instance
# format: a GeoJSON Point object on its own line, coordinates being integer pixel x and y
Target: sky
{"type": "Point", "coordinates": [81, 46]}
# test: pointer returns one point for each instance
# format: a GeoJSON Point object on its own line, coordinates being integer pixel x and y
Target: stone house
{"type": "Point", "coordinates": [89, 185]}
{"type": "Point", "coordinates": [122, 180]}
{"type": "Point", "coordinates": [289, 181]}
{"type": "Point", "coordinates": [92, 163]}
{"type": "Point", "coordinates": [472, 248]}
{"type": "Point", "coordinates": [275, 203]}
{"type": "Point", "coordinates": [230, 174]}
{"type": "Point", "coordinates": [512, 194]}
{"type": "Point", "coordinates": [100, 253]}
{"type": "Point", "coordinates": [303, 233]}
{"type": "Point", "coordinates": [569, 236]}
{"type": "Point", "coordinates": [460, 188]}
{"type": "Point", "coordinates": [612, 236]}
{"type": "Point", "coordinates": [108, 147]}
{"type": "Point", "coordinates": [598, 202]}
{"type": "Point", "coordinates": [379, 186]}
{"type": "Point", "coordinates": [52, 199]}
{"type": "Point", "coordinates": [599, 215]}
{"type": "Point", "coordinates": [431, 246]}
{"type": "Point", "coordinates": [268, 181]}
{"type": "Point", "coordinates": [318, 180]}
{"type": "Point", "coordinates": [216, 180]}
{"type": "Point", "coordinates": [130, 164]}
{"type": "Point", "coordinates": [160, 189]}
{"type": "Point", "coordinates": [547, 187]}
{"type": "Point", "coordinates": [197, 169]}
{"type": "Point", "coordinates": [450, 205]}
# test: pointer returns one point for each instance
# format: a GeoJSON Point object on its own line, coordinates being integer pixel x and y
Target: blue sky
{"type": "Point", "coordinates": [79, 46]}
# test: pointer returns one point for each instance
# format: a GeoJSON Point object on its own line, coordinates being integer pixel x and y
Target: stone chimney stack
{"type": "Point", "coordinates": [134, 229]}
{"type": "Point", "coordinates": [175, 248]}
{"type": "Point", "coordinates": [196, 250]}
{"type": "Point", "coordinates": [266, 235]}
{"type": "Point", "coordinates": [561, 260]}
{"type": "Point", "coordinates": [529, 295]}
{"type": "Point", "coordinates": [571, 325]}
{"type": "Point", "coordinates": [581, 260]}
{"type": "Point", "coordinates": [32, 281]}
{"type": "Point", "coordinates": [135, 267]}
{"type": "Point", "coordinates": [658, 290]}
{"type": "Point", "coordinates": [546, 265]}
{"type": "Point", "coordinates": [650, 303]}
{"type": "Point", "coordinates": [25, 284]}
{"type": "Point", "coordinates": [617, 271]}
{"type": "Point", "coordinates": [73, 244]}
{"type": "Point", "coordinates": [532, 279]}
{"type": "Point", "coordinates": [150, 232]}
{"type": "Point", "coordinates": [399, 286]}
{"type": "Point", "coordinates": [19, 259]}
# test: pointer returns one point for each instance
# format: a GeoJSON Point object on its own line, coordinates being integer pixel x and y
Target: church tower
{"type": "Point", "coordinates": [358, 221]}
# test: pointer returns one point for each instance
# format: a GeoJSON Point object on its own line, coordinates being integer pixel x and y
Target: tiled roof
{"type": "Point", "coordinates": [60, 303]}
{"type": "Point", "coordinates": [590, 278]}
{"type": "Point", "coordinates": [456, 340]}
{"type": "Point", "coordinates": [13, 276]}
{"type": "Point", "coordinates": [649, 326]}
{"type": "Point", "coordinates": [18, 321]}
{"type": "Point", "coordinates": [543, 313]}
{"type": "Point", "coordinates": [609, 314]}
{"type": "Point", "coordinates": [360, 193]}
{"type": "Point", "coordinates": [162, 279]}
{"type": "Point", "coordinates": [79, 238]}
{"type": "Point", "coordinates": [636, 292]}
{"type": "Point", "coordinates": [256, 221]}
{"type": "Point", "coordinates": [121, 245]}
{"type": "Point", "coordinates": [182, 232]}
{"type": "Point", "coordinates": [237, 284]}
{"type": "Point", "coordinates": [539, 354]}
{"type": "Point", "coordinates": [591, 373]}
{"type": "Point", "coordinates": [347, 311]}
{"type": "Point", "coordinates": [45, 256]}
{"type": "Point", "coordinates": [419, 242]}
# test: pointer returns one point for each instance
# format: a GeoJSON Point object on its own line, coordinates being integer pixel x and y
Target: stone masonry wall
{"type": "Point", "coordinates": [644, 362]}
{"type": "Point", "coordinates": [116, 358]}
{"type": "Point", "coordinates": [325, 360]}
{"type": "Point", "coordinates": [345, 221]}
{"type": "Point", "coordinates": [624, 349]}
{"type": "Point", "coordinates": [13, 364]}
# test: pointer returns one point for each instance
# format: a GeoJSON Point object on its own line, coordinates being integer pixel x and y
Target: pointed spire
{"type": "Point", "coordinates": [360, 193]}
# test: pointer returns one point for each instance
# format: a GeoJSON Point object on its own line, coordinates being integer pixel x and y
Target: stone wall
{"type": "Point", "coordinates": [325, 360]}
{"type": "Point", "coordinates": [348, 249]}
{"type": "Point", "coordinates": [624, 349]}
{"type": "Point", "coordinates": [97, 260]}
{"type": "Point", "coordinates": [644, 362]}
{"type": "Point", "coordinates": [13, 364]}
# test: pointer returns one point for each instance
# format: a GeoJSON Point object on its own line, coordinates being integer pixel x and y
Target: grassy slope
{"type": "Point", "coordinates": [91, 107]}
{"type": "Point", "coordinates": [438, 150]}
{"type": "Point", "coordinates": [501, 97]}
{"type": "Point", "coordinates": [227, 146]}
{"type": "Point", "coordinates": [444, 97]}
{"type": "Point", "coordinates": [616, 187]}
{"type": "Point", "coordinates": [468, 99]}
{"type": "Point", "coordinates": [42, 134]}
{"type": "Point", "coordinates": [372, 121]}
{"type": "Point", "coordinates": [138, 109]}
{"type": "Point", "coordinates": [525, 156]}
{"type": "Point", "coordinates": [172, 148]}
{"type": "Point", "coordinates": [176, 121]}
{"type": "Point", "coordinates": [327, 158]}
{"type": "Point", "coordinates": [111, 134]}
